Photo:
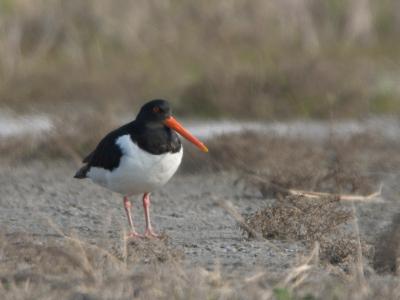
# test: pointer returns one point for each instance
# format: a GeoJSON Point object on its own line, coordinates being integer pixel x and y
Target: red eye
{"type": "Point", "coordinates": [156, 109]}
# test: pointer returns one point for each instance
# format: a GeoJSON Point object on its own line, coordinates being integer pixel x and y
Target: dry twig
{"type": "Point", "coordinates": [373, 197]}
{"type": "Point", "coordinates": [228, 207]}
{"type": "Point", "coordinates": [299, 274]}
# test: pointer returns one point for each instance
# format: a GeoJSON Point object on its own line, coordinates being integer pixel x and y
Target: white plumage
{"type": "Point", "coordinates": [138, 171]}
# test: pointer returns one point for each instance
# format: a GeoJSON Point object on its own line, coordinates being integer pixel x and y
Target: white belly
{"type": "Point", "coordinates": [139, 171]}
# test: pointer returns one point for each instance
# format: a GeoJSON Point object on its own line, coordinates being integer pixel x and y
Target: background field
{"type": "Point", "coordinates": [307, 93]}
{"type": "Point", "coordinates": [279, 59]}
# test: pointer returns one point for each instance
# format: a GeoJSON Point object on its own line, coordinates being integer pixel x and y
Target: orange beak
{"type": "Point", "coordinates": [172, 123]}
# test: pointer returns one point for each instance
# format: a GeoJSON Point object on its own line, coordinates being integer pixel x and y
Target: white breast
{"type": "Point", "coordinates": [138, 171]}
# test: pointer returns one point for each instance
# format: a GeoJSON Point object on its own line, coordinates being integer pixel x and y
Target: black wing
{"type": "Point", "coordinates": [81, 173]}
{"type": "Point", "coordinates": [107, 154]}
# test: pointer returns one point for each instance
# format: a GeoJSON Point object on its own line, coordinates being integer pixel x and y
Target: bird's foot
{"type": "Point", "coordinates": [134, 235]}
{"type": "Point", "coordinates": [149, 233]}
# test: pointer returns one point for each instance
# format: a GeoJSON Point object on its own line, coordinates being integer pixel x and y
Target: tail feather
{"type": "Point", "coordinates": [82, 172]}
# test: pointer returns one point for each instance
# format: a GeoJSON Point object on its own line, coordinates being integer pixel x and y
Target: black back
{"type": "Point", "coordinates": [147, 131]}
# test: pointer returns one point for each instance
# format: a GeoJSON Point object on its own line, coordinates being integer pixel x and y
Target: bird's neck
{"type": "Point", "coordinates": [154, 138]}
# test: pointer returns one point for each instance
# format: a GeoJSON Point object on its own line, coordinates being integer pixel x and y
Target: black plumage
{"type": "Point", "coordinates": [147, 131]}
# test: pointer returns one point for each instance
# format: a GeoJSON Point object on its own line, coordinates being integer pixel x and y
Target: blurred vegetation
{"type": "Point", "coordinates": [247, 59]}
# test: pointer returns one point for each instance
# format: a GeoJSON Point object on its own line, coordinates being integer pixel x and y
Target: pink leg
{"type": "Point", "coordinates": [128, 206]}
{"type": "Point", "coordinates": [146, 205]}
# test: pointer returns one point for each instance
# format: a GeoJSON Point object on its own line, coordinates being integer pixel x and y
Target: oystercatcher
{"type": "Point", "coordinates": [139, 157]}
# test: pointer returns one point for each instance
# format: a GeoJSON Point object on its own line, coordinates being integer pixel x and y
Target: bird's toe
{"type": "Point", "coordinates": [149, 233]}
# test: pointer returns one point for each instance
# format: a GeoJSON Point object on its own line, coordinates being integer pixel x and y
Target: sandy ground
{"type": "Point", "coordinates": [36, 195]}
{"type": "Point", "coordinates": [185, 210]}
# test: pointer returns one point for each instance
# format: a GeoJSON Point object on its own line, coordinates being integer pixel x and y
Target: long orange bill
{"type": "Point", "coordinates": [172, 123]}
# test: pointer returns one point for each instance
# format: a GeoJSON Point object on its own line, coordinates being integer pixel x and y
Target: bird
{"type": "Point", "coordinates": [139, 158]}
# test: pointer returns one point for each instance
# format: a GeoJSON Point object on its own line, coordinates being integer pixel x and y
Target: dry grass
{"type": "Point", "coordinates": [336, 165]}
{"type": "Point", "coordinates": [322, 220]}
{"type": "Point", "coordinates": [73, 269]}
{"type": "Point", "coordinates": [211, 59]}
{"type": "Point", "coordinates": [387, 257]}
{"type": "Point", "coordinates": [341, 250]}
{"type": "Point", "coordinates": [299, 218]}
{"type": "Point", "coordinates": [70, 268]}
{"type": "Point", "coordinates": [64, 141]}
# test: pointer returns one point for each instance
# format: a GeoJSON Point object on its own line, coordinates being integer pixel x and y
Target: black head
{"type": "Point", "coordinates": [155, 111]}
{"type": "Point", "coordinates": [156, 115]}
